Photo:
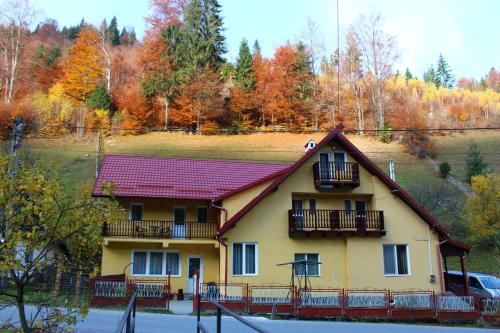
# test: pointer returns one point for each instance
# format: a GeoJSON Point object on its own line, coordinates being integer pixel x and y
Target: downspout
{"type": "Point", "coordinates": [441, 274]}
{"type": "Point", "coordinates": [217, 237]}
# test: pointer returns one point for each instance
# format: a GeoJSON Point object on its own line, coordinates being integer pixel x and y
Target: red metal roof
{"type": "Point", "coordinates": [180, 178]}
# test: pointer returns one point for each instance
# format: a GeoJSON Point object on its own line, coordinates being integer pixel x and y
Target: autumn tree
{"type": "Point", "coordinates": [483, 212]}
{"type": "Point", "coordinates": [353, 72]}
{"type": "Point", "coordinates": [41, 221]}
{"type": "Point", "coordinates": [83, 70]}
{"type": "Point", "coordinates": [15, 19]}
{"type": "Point", "coordinates": [378, 53]}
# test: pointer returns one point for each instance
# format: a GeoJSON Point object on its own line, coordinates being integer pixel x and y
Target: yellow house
{"type": "Point", "coordinates": [334, 215]}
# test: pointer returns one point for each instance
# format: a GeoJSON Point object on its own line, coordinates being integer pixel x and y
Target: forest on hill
{"type": "Point", "coordinates": [84, 77]}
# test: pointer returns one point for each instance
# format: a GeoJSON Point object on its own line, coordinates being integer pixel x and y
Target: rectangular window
{"type": "Point", "coordinates": [244, 259]}
{"type": "Point", "coordinates": [155, 263]}
{"type": "Point", "coordinates": [139, 263]}
{"type": "Point", "coordinates": [172, 263]}
{"type": "Point", "coordinates": [307, 264]}
{"type": "Point", "coordinates": [396, 259]}
{"type": "Point", "coordinates": [136, 210]}
{"type": "Point", "coordinates": [347, 206]}
{"type": "Point", "coordinates": [202, 214]}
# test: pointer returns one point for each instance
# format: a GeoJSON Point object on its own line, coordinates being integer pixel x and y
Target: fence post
{"type": "Point", "coordinates": [198, 315]}
{"type": "Point", "coordinates": [219, 320]}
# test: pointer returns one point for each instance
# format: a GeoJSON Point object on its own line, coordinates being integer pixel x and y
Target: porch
{"type": "Point", "coordinates": [151, 229]}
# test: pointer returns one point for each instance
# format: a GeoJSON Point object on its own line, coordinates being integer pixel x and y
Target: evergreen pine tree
{"type": "Point", "coordinates": [444, 77]}
{"type": "Point", "coordinates": [244, 67]}
{"type": "Point", "coordinates": [99, 98]}
{"type": "Point", "coordinates": [430, 76]}
{"type": "Point", "coordinates": [304, 69]}
{"type": "Point", "coordinates": [408, 75]}
{"type": "Point", "coordinates": [113, 32]}
{"type": "Point", "coordinates": [474, 164]}
{"type": "Point", "coordinates": [203, 40]}
{"type": "Point", "coordinates": [256, 47]}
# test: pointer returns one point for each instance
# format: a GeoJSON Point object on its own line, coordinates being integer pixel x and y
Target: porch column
{"type": "Point", "coordinates": [464, 273]}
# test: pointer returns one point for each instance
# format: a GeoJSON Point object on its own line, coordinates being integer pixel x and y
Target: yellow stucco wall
{"type": "Point", "coordinates": [163, 209]}
{"type": "Point", "coordinates": [354, 262]}
{"type": "Point", "coordinates": [117, 256]}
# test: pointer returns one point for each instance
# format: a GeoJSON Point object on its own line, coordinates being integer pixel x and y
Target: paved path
{"type": "Point", "coordinates": [104, 321]}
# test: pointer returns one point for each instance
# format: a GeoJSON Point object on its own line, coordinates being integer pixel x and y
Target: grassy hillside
{"type": "Point", "coordinates": [453, 149]}
{"type": "Point", "coordinates": [76, 158]}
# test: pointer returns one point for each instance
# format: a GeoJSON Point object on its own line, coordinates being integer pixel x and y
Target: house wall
{"type": "Point", "coordinates": [353, 262]}
{"type": "Point", "coordinates": [163, 209]}
{"type": "Point", "coordinates": [117, 256]}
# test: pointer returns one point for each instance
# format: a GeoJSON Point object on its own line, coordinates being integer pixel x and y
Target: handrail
{"type": "Point", "coordinates": [127, 320]}
{"type": "Point", "coordinates": [160, 229]}
{"type": "Point", "coordinates": [333, 219]}
{"type": "Point", "coordinates": [220, 309]}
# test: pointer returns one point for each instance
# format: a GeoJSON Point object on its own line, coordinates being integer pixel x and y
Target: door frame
{"type": "Point", "coordinates": [174, 231]}
{"type": "Point", "coordinates": [201, 272]}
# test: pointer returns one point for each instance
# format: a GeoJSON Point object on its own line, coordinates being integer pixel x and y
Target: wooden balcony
{"type": "Point", "coordinates": [335, 223]}
{"type": "Point", "coordinates": [331, 175]}
{"type": "Point", "coordinates": [160, 230]}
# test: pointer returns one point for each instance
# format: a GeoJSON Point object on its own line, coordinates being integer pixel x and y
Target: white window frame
{"type": "Point", "coordinates": [243, 261]}
{"type": "Point", "coordinates": [163, 267]}
{"type": "Point", "coordinates": [201, 206]}
{"type": "Point", "coordinates": [306, 254]}
{"type": "Point", "coordinates": [394, 245]}
{"type": "Point", "coordinates": [130, 209]}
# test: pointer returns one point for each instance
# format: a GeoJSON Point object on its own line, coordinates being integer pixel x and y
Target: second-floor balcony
{"type": "Point", "coordinates": [335, 223]}
{"type": "Point", "coordinates": [160, 229]}
{"type": "Point", "coordinates": [330, 175]}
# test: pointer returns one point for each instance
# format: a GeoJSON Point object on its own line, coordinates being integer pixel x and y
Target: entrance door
{"type": "Point", "coordinates": [339, 159]}
{"type": "Point", "coordinates": [360, 215]}
{"type": "Point", "coordinates": [298, 213]}
{"type": "Point", "coordinates": [325, 167]}
{"type": "Point", "coordinates": [179, 222]}
{"type": "Point", "coordinates": [194, 265]}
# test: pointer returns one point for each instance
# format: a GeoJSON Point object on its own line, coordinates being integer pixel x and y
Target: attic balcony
{"type": "Point", "coordinates": [335, 223]}
{"type": "Point", "coordinates": [160, 229]}
{"type": "Point", "coordinates": [331, 175]}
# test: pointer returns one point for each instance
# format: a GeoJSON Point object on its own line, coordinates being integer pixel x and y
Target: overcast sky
{"type": "Point", "coordinates": [466, 32]}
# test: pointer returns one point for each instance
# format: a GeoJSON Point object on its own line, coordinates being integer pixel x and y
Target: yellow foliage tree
{"type": "Point", "coordinates": [54, 110]}
{"type": "Point", "coordinates": [483, 211]}
{"type": "Point", "coordinates": [83, 69]}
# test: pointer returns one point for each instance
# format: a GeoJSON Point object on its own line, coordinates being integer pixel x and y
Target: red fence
{"type": "Point", "coordinates": [116, 290]}
{"type": "Point", "coordinates": [330, 302]}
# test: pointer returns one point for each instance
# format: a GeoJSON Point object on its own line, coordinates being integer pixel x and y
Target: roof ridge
{"type": "Point", "coordinates": [196, 159]}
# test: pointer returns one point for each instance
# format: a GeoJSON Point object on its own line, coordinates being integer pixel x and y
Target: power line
{"type": "Point", "coordinates": [251, 131]}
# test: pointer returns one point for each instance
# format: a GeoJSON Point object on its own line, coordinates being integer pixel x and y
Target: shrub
{"type": "Point", "coordinates": [444, 169]}
{"type": "Point", "coordinates": [385, 135]}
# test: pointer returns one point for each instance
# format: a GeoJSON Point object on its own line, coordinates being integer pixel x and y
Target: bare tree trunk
{"type": "Point", "coordinates": [359, 112]}
{"type": "Point", "coordinates": [22, 310]}
{"type": "Point", "coordinates": [57, 282]}
{"type": "Point", "coordinates": [166, 113]}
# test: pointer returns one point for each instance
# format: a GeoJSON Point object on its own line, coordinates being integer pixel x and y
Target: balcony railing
{"type": "Point", "coordinates": [335, 222]}
{"type": "Point", "coordinates": [328, 175]}
{"type": "Point", "coordinates": [160, 229]}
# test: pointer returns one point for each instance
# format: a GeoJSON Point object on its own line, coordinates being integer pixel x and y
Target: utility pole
{"type": "Point", "coordinates": [17, 136]}
{"type": "Point", "coordinates": [100, 143]}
